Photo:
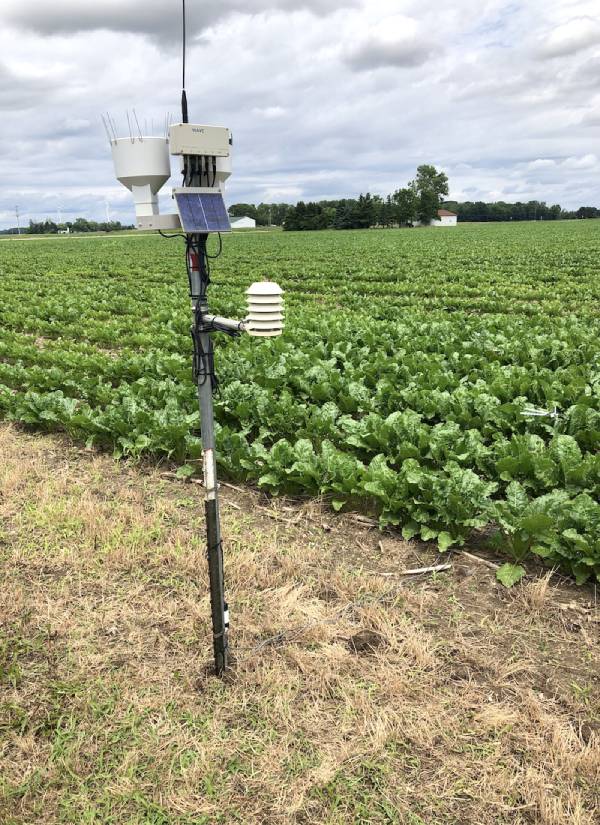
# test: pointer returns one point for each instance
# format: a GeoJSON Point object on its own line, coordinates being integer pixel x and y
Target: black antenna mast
{"type": "Point", "coordinates": [184, 106]}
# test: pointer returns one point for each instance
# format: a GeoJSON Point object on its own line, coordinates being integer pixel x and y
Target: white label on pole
{"type": "Point", "coordinates": [210, 483]}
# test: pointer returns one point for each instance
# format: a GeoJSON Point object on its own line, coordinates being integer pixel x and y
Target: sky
{"type": "Point", "coordinates": [325, 98]}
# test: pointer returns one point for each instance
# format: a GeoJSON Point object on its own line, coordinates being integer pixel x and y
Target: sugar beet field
{"type": "Point", "coordinates": [404, 386]}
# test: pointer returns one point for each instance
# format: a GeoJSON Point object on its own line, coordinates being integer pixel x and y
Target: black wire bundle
{"type": "Point", "coordinates": [204, 361]}
{"type": "Point", "coordinates": [198, 247]}
{"type": "Point", "coordinates": [195, 245]}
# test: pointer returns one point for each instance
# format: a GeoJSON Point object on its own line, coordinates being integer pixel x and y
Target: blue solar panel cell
{"type": "Point", "coordinates": [202, 212]}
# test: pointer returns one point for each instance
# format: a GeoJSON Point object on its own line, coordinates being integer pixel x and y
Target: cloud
{"type": "Point", "coordinates": [589, 161]}
{"type": "Point", "coordinates": [325, 99]}
{"type": "Point", "coordinates": [589, 71]}
{"type": "Point", "coordinates": [391, 41]}
{"type": "Point", "coordinates": [377, 54]}
{"type": "Point", "coordinates": [23, 91]}
{"type": "Point", "coordinates": [570, 38]}
{"type": "Point", "coordinates": [541, 163]}
{"type": "Point", "coordinates": [278, 194]}
{"type": "Point", "coordinates": [159, 19]}
{"type": "Point", "coordinates": [591, 117]}
{"type": "Point", "coordinates": [269, 112]}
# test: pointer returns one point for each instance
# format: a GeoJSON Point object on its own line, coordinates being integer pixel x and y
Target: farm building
{"type": "Point", "coordinates": [446, 218]}
{"type": "Point", "coordinates": [243, 222]}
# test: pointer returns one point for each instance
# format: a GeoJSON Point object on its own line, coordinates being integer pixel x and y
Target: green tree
{"type": "Point", "coordinates": [83, 225]}
{"type": "Point", "coordinates": [429, 185]}
{"type": "Point", "coordinates": [365, 211]}
{"type": "Point", "coordinates": [405, 205]}
{"type": "Point", "coordinates": [46, 227]}
{"type": "Point", "coordinates": [307, 216]}
{"type": "Point", "coordinates": [588, 212]}
{"type": "Point", "coordinates": [555, 212]}
{"type": "Point", "coordinates": [345, 216]}
{"type": "Point", "coordinates": [279, 213]}
{"type": "Point", "coordinates": [242, 210]}
{"type": "Point", "coordinates": [262, 214]}
{"type": "Point", "coordinates": [385, 211]}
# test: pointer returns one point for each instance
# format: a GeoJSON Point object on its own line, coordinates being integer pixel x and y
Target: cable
{"type": "Point", "coordinates": [200, 250]}
{"type": "Point", "coordinates": [177, 235]}
{"type": "Point", "coordinates": [204, 360]}
{"type": "Point", "coordinates": [214, 257]}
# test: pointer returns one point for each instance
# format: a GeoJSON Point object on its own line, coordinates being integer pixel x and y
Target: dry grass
{"type": "Point", "coordinates": [434, 700]}
{"type": "Point", "coordinates": [535, 595]}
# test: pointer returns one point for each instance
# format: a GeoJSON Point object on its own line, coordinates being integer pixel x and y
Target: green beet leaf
{"type": "Point", "coordinates": [510, 574]}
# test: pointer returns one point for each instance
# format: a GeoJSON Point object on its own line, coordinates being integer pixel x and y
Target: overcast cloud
{"type": "Point", "coordinates": [326, 98]}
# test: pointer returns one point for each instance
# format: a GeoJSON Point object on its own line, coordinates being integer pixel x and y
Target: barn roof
{"type": "Point", "coordinates": [444, 213]}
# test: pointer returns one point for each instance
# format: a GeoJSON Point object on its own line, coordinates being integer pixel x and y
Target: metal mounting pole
{"type": "Point", "coordinates": [218, 605]}
{"type": "Point", "coordinates": [204, 374]}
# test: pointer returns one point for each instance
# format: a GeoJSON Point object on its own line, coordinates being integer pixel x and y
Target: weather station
{"type": "Point", "coordinates": [143, 165]}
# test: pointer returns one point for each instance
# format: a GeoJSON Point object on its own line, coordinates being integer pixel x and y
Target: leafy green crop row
{"type": "Point", "coordinates": [403, 383]}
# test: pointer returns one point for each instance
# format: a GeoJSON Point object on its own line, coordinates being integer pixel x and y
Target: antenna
{"type": "Point", "coordinates": [106, 129]}
{"type": "Point", "coordinates": [184, 105]}
{"type": "Point", "coordinates": [112, 123]}
{"type": "Point", "coordinates": [108, 122]}
{"type": "Point", "coordinates": [138, 124]}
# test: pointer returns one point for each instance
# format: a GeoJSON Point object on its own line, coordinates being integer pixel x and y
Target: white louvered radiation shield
{"type": "Point", "coordinates": [265, 310]}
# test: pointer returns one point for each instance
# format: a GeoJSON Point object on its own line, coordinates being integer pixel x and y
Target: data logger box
{"type": "Point", "coordinates": [193, 139]}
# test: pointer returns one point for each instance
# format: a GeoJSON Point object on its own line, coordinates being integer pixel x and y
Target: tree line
{"type": "Point", "coordinates": [418, 202]}
{"type": "Point", "coordinates": [398, 210]}
{"type": "Point", "coordinates": [530, 211]}
{"type": "Point", "coordinates": [49, 227]}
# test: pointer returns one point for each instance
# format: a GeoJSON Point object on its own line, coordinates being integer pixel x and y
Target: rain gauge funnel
{"type": "Point", "coordinates": [142, 164]}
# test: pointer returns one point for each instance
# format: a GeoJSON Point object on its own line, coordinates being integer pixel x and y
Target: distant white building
{"type": "Point", "coordinates": [446, 218]}
{"type": "Point", "coordinates": [243, 222]}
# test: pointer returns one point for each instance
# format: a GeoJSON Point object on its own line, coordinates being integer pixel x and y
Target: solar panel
{"type": "Point", "coordinates": [202, 211]}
